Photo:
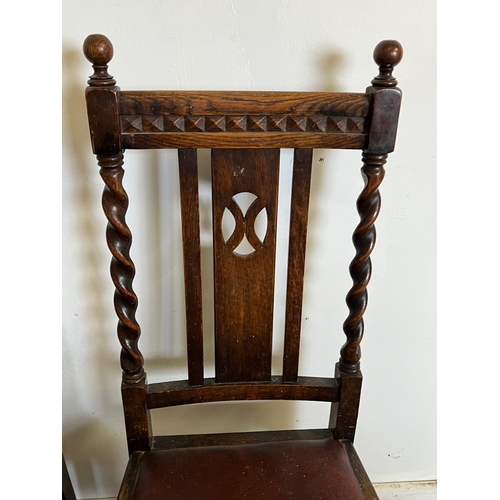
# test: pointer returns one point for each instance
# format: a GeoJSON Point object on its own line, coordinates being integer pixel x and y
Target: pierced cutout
{"type": "Point", "coordinates": [228, 224]}
{"type": "Point", "coordinates": [244, 224]}
{"type": "Point", "coordinates": [244, 249]}
{"type": "Point", "coordinates": [244, 200]}
{"type": "Point", "coordinates": [261, 225]}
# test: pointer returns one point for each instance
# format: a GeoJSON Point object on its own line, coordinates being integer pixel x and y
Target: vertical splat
{"type": "Point", "coordinates": [244, 279]}
{"type": "Point", "coordinates": [190, 210]}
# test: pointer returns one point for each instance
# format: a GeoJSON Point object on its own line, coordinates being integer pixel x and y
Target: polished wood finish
{"type": "Point", "coordinates": [237, 438]}
{"type": "Point", "coordinates": [190, 210]}
{"type": "Point", "coordinates": [119, 238]}
{"type": "Point", "coordinates": [131, 476]}
{"type": "Point", "coordinates": [359, 471]}
{"type": "Point", "coordinates": [387, 55]}
{"type": "Point", "coordinates": [242, 103]}
{"type": "Point", "coordinates": [245, 131]}
{"type": "Point", "coordinates": [368, 205]}
{"type": "Point", "coordinates": [301, 183]}
{"type": "Point", "coordinates": [243, 332]}
{"type": "Point", "coordinates": [243, 119]}
{"type": "Point", "coordinates": [181, 393]}
{"type": "Point", "coordinates": [229, 140]}
{"type": "Point", "coordinates": [137, 416]}
{"type": "Point", "coordinates": [344, 412]}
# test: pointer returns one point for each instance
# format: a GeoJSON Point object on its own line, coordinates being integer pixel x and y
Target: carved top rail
{"type": "Point", "coordinates": [238, 119]}
{"type": "Point", "coordinates": [244, 119]}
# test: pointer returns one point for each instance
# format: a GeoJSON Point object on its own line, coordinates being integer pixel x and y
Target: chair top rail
{"type": "Point", "coordinates": [199, 102]}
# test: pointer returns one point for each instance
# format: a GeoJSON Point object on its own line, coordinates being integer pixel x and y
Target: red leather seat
{"type": "Point", "coordinates": [302, 470]}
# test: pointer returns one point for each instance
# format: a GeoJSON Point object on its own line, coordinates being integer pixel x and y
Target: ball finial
{"type": "Point", "coordinates": [99, 51]}
{"type": "Point", "coordinates": [387, 54]}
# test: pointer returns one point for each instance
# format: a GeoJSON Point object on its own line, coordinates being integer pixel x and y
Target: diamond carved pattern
{"type": "Point", "coordinates": [276, 123]}
{"type": "Point", "coordinates": [174, 123]}
{"type": "Point", "coordinates": [215, 123]}
{"type": "Point", "coordinates": [194, 123]}
{"type": "Point", "coordinates": [152, 124]}
{"type": "Point", "coordinates": [236, 124]}
{"type": "Point", "coordinates": [316, 123]}
{"type": "Point", "coordinates": [131, 124]}
{"type": "Point", "coordinates": [257, 123]}
{"type": "Point", "coordinates": [297, 123]}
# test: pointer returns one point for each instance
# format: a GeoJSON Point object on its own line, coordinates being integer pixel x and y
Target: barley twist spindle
{"type": "Point", "coordinates": [368, 205]}
{"type": "Point", "coordinates": [119, 238]}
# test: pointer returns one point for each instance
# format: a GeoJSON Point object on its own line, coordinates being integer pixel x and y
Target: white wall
{"type": "Point", "coordinates": [264, 45]}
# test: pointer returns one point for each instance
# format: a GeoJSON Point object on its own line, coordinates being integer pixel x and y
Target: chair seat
{"type": "Point", "coordinates": [302, 470]}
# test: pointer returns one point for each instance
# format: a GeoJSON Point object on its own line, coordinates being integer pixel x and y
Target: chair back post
{"type": "Point", "coordinates": [385, 105]}
{"type": "Point", "coordinates": [102, 97]}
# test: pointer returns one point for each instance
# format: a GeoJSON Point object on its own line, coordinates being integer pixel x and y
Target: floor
{"type": "Point", "coordinates": [418, 490]}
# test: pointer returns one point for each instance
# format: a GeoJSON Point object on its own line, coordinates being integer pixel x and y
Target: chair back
{"type": "Point", "coordinates": [245, 131]}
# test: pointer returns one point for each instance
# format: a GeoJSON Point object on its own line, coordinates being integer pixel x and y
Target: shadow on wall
{"type": "Point", "coordinates": [100, 459]}
{"type": "Point", "coordinates": [329, 64]}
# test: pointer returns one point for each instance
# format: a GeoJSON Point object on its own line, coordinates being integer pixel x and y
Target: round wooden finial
{"type": "Point", "coordinates": [387, 54]}
{"type": "Point", "coordinates": [99, 51]}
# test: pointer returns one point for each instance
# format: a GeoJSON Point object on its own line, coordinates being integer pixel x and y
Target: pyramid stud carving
{"type": "Point", "coordinates": [251, 123]}
{"type": "Point", "coordinates": [257, 123]}
{"type": "Point", "coordinates": [174, 123]}
{"type": "Point", "coordinates": [152, 123]}
{"type": "Point", "coordinates": [194, 123]}
{"type": "Point", "coordinates": [357, 124]}
{"type": "Point", "coordinates": [334, 124]}
{"type": "Point", "coordinates": [297, 124]}
{"type": "Point", "coordinates": [316, 123]}
{"type": "Point", "coordinates": [236, 123]}
{"type": "Point", "coordinates": [215, 123]}
{"type": "Point", "coordinates": [131, 124]}
{"type": "Point", "coordinates": [276, 123]}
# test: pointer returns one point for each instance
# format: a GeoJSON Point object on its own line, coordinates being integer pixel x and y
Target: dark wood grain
{"type": "Point", "coordinates": [99, 51]}
{"type": "Point", "coordinates": [344, 413]}
{"type": "Point", "coordinates": [387, 54]}
{"type": "Point", "coordinates": [244, 284]}
{"type": "Point", "coordinates": [233, 140]}
{"type": "Point", "coordinates": [359, 471]}
{"type": "Point", "coordinates": [201, 102]}
{"type": "Point", "coordinates": [104, 122]}
{"type": "Point", "coordinates": [119, 238]}
{"type": "Point", "coordinates": [190, 211]}
{"type": "Point", "coordinates": [102, 98]}
{"type": "Point", "coordinates": [384, 123]}
{"type": "Point", "coordinates": [130, 477]}
{"type": "Point", "coordinates": [299, 208]}
{"type": "Point", "coordinates": [237, 438]}
{"type": "Point", "coordinates": [137, 416]}
{"type": "Point", "coordinates": [360, 269]}
{"type": "Point", "coordinates": [180, 392]}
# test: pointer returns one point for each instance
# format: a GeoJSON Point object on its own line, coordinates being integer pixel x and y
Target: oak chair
{"type": "Point", "coordinates": [245, 131]}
